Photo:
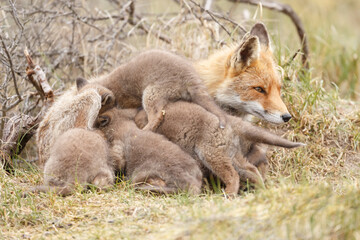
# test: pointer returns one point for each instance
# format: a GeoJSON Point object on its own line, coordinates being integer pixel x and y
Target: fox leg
{"type": "Point", "coordinates": [200, 96]}
{"type": "Point", "coordinates": [154, 101]}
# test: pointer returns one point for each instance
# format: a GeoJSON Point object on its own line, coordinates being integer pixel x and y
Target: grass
{"type": "Point", "coordinates": [285, 210]}
{"type": "Point", "coordinates": [312, 192]}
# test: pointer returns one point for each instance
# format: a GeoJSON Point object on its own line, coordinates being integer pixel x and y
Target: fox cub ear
{"type": "Point", "coordinates": [261, 32]}
{"type": "Point", "coordinates": [246, 53]}
{"type": "Point", "coordinates": [102, 121]}
{"type": "Point", "coordinates": [107, 99]}
{"type": "Point", "coordinates": [80, 83]}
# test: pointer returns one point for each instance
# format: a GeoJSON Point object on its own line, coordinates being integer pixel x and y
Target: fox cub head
{"type": "Point", "coordinates": [107, 96]}
{"type": "Point", "coordinates": [250, 82]}
{"type": "Point", "coordinates": [111, 122]}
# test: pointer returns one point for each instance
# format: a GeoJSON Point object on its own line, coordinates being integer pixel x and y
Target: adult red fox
{"type": "Point", "coordinates": [244, 79]}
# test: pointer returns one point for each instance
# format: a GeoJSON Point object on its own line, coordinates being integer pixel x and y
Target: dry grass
{"type": "Point", "coordinates": [312, 192]}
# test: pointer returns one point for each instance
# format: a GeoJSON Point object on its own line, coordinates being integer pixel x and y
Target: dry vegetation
{"type": "Point", "coordinates": [312, 192]}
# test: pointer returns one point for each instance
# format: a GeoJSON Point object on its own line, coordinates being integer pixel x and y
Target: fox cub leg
{"type": "Point", "coordinates": [221, 166]}
{"type": "Point", "coordinates": [226, 172]}
{"type": "Point", "coordinates": [154, 101]}
{"type": "Point", "coordinates": [141, 119]}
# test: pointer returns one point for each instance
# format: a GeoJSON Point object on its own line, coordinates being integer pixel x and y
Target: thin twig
{"type": "Point", "coordinates": [18, 23]}
{"type": "Point", "coordinates": [30, 72]}
{"type": "Point", "coordinates": [291, 59]}
{"type": "Point", "coordinates": [39, 79]}
{"type": "Point", "coordinates": [11, 68]}
{"type": "Point", "coordinates": [212, 16]}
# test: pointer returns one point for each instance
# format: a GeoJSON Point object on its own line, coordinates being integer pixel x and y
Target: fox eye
{"type": "Point", "coordinates": [260, 89]}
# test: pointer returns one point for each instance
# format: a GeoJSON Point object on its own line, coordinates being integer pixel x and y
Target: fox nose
{"type": "Point", "coordinates": [286, 117]}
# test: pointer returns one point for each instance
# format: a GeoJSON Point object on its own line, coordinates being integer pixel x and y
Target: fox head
{"type": "Point", "coordinates": [247, 78]}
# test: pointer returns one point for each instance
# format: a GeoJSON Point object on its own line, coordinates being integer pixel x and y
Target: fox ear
{"type": "Point", "coordinates": [261, 32]}
{"type": "Point", "coordinates": [247, 52]}
{"type": "Point", "coordinates": [80, 83]}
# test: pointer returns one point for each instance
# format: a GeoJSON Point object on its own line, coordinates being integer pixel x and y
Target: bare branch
{"type": "Point", "coordinates": [215, 15]}
{"type": "Point", "coordinates": [212, 16]}
{"type": "Point", "coordinates": [17, 132]}
{"type": "Point", "coordinates": [286, 9]}
{"type": "Point", "coordinates": [11, 68]}
{"type": "Point", "coordinates": [20, 128]}
{"type": "Point", "coordinates": [18, 23]}
{"type": "Point", "coordinates": [38, 78]}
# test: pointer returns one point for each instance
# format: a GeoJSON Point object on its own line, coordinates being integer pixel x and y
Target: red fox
{"type": "Point", "coordinates": [244, 79]}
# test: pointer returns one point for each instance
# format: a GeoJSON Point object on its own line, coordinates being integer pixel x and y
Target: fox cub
{"type": "Point", "coordinates": [150, 161]}
{"type": "Point", "coordinates": [221, 151]}
{"type": "Point", "coordinates": [78, 107]}
{"type": "Point", "coordinates": [154, 78]}
{"type": "Point", "coordinates": [77, 156]}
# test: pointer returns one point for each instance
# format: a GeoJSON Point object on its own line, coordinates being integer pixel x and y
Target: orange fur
{"type": "Point", "coordinates": [234, 76]}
